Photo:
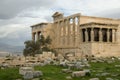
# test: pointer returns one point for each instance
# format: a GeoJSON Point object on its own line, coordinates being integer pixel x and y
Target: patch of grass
{"type": "Point", "coordinates": [51, 72]}
{"type": "Point", "coordinates": [9, 74]}
{"type": "Point", "coordinates": [108, 68]}
{"type": "Point", "coordinates": [54, 72]}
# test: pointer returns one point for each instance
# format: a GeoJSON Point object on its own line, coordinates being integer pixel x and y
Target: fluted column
{"type": "Point", "coordinates": [78, 32]}
{"type": "Point", "coordinates": [100, 35]}
{"type": "Point", "coordinates": [58, 34]}
{"type": "Point", "coordinates": [36, 36]}
{"type": "Point", "coordinates": [68, 27]}
{"type": "Point", "coordinates": [113, 35]}
{"type": "Point", "coordinates": [92, 35]}
{"type": "Point", "coordinates": [64, 33]}
{"type": "Point", "coordinates": [60, 29]}
{"type": "Point", "coordinates": [86, 35]}
{"type": "Point", "coordinates": [73, 31]}
{"type": "Point", "coordinates": [61, 37]}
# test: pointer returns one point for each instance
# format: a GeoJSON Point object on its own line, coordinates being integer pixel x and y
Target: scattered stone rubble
{"type": "Point", "coordinates": [82, 68]}
{"type": "Point", "coordinates": [68, 77]}
{"type": "Point", "coordinates": [66, 70]}
{"type": "Point", "coordinates": [29, 73]}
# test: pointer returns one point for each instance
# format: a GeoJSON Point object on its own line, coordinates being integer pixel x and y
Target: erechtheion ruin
{"type": "Point", "coordinates": [81, 35]}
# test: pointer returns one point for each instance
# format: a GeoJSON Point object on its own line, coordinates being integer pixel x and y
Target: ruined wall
{"type": "Point", "coordinates": [105, 49]}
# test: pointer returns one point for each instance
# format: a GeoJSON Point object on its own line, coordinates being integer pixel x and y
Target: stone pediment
{"type": "Point", "coordinates": [57, 14]}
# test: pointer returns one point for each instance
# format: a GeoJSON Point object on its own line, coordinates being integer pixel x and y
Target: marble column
{"type": "Point", "coordinates": [57, 37]}
{"type": "Point", "coordinates": [100, 35]}
{"type": "Point", "coordinates": [60, 30]}
{"type": "Point", "coordinates": [74, 31]}
{"type": "Point", "coordinates": [66, 36]}
{"type": "Point", "coordinates": [77, 32]}
{"type": "Point", "coordinates": [56, 34]}
{"type": "Point", "coordinates": [71, 32]}
{"type": "Point", "coordinates": [113, 35]}
{"type": "Point", "coordinates": [92, 34]}
{"type": "Point", "coordinates": [63, 33]}
{"type": "Point", "coordinates": [36, 36]}
{"type": "Point", "coordinates": [66, 30]}
{"type": "Point", "coordinates": [86, 35]}
{"type": "Point", "coordinates": [68, 27]}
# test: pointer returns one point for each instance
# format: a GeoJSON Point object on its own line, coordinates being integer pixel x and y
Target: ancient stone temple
{"type": "Point", "coordinates": [81, 35]}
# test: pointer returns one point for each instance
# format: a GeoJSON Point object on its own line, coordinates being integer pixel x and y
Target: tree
{"type": "Point", "coordinates": [36, 47]}
{"type": "Point", "coordinates": [42, 40]}
{"type": "Point", "coordinates": [31, 48]}
{"type": "Point", "coordinates": [48, 40]}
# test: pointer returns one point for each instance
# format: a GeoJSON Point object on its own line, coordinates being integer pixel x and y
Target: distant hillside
{"type": "Point", "coordinates": [10, 48]}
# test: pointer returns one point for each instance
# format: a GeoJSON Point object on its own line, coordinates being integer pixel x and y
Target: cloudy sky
{"type": "Point", "coordinates": [16, 16]}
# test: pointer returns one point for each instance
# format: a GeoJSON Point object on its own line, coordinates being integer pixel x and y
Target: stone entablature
{"type": "Point", "coordinates": [88, 19]}
{"type": "Point", "coordinates": [101, 25]}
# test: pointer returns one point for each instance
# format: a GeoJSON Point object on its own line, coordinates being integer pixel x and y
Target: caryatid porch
{"type": "Point", "coordinates": [98, 32]}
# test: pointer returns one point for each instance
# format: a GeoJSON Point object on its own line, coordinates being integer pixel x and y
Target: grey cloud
{"type": "Point", "coordinates": [115, 13]}
{"type": "Point", "coordinates": [48, 18]}
{"type": "Point", "coordinates": [111, 13]}
{"type": "Point", "coordinates": [6, 22]}
{"type": "Point", "coordinates": [10, 8]}
{"type": "Point", "coordinates": [29, 14]}
{"type": "Point", "coordinates": [22, 36]}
